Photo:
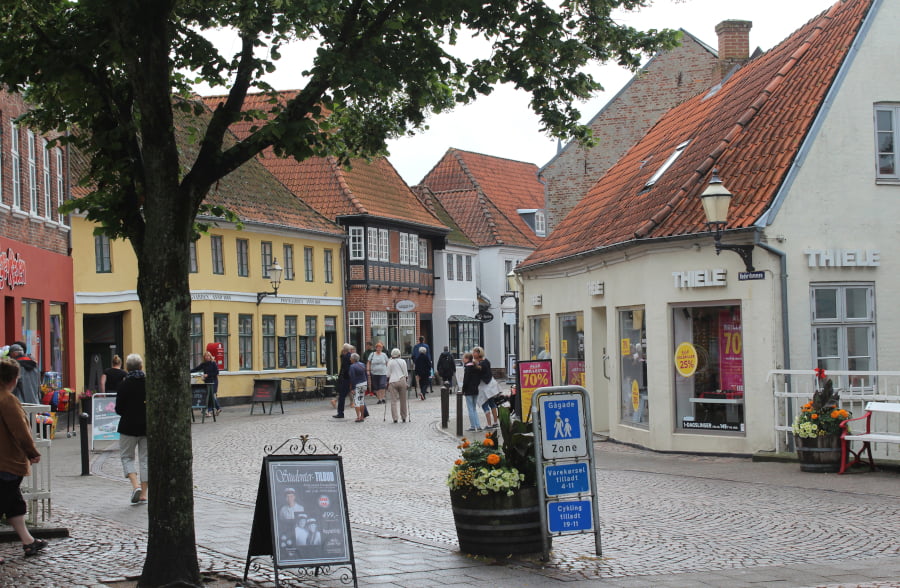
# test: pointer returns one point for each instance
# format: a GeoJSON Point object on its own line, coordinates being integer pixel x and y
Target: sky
{"type": "Point", "coordinates": [503, 125]}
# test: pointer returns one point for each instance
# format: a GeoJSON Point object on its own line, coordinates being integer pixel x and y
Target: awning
{"type": "Point", "coordinates": [461, 318]}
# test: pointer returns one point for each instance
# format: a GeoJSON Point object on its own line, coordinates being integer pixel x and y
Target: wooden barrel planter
{"type": "Point", "coordinates": [819, 454]}
{"type": "Point", "coordinates": [496, 524]}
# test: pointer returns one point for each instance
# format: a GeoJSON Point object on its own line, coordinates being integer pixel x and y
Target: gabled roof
{"type": "Point", "coordinates": [372, 188]}
{"type": "Point", "coordinates": [750, 129]}
{"type": "Point", "coordinates": [456, 235]}
{"type": "Point", "coordinates": [250, 191]}
{"type": "Point", "coordinates": [482, 193]}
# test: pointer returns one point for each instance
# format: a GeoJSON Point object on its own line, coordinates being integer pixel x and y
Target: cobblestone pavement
{"type": "Point", "coordinates": [666, 519]}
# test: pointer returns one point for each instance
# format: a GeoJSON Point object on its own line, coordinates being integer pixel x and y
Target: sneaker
{"type": "Point", "coordinates": [135, 495]}
{"type": "Point", "coordinates": [34, 548]}
{"type": "Point", "coordinates": [473, 429]}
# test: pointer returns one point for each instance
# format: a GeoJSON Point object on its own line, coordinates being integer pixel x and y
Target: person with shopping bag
{"type": "Point", "coordinates": [488, 388]}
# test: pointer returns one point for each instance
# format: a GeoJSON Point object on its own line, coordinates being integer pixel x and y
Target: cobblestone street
{"type": "Point", "coordinates": [666, 520]}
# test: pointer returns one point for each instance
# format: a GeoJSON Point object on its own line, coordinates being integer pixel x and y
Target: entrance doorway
{"type": "Point", "coordinates": [102, 340]}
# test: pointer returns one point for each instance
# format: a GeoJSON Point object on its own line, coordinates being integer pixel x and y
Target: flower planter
{"type": "Point", "coordinates": [819, 454]}
{"type": "Point", "coordinates": [496, 524]}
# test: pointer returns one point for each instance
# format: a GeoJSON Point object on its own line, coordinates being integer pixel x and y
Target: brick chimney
{"type": "Point", "coordinates": [734, 44]}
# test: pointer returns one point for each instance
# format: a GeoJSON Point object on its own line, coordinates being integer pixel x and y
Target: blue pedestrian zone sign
{"type": "Point", "coordinates": [570, 478]}
{"type": "Point", "coordinates": [563, 426]}
{"type": "Point", "coordinates": [570, 516]}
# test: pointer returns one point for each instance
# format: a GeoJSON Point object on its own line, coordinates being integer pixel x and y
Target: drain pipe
{"type": "Point", "coordinates": [785, 327]}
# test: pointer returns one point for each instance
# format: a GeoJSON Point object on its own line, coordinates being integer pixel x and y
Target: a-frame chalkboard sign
{"type": "Point", "coordinates": [301, 519]}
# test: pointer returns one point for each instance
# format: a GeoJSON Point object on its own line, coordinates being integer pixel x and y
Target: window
{"type": "Point", "coordinates": [60, 191]}
{"type": "Point", "coordinates": [266, 257]}
{"type": "Point", "coordinates": [268, 341]}
{"type": "Point", "coordinates": [571, 347]}
{"type": "Point", "coordinates": [708, 368]}
{"type": "Point", "coordinates": [413, 250]}
{"type": "Point", "coordinates": [633, 372]}
{"type": "Point", "coordinates": [197, 348]}
{"type": "Point", "coordinates": [356, 325]}
{"type": "Point", "coordinates": [886, 139]}
{"type": "Point", "coordinates": [540, 223]}
{"type": "Point", "coordinates": [666, 165]}
{"type": "Point", "coordinates": [843, 321]}
{"type": "Point", "coordinates": [245, 341]}
{"type": "Point", "coordinates": [192, 257]}
{"type": "Point", "coordinates": [423, 253]}
{"type": "Point", "coordinates": [220, 335]}
{"type": "Point", "coordinates": [539, 332]}
{"type": "Point", "coordinates": [1, 167]}
{"type": "Point", "coordinates": [218, 259]}
{"type": "Point", "coordinates": [243, 257]}
{"type": "Point", "coordinates": [48, 203]}
{"type": "Point", "coordinates": [450, 266]}
{"type": "Point", "coordinates": [101, 254]}
{"type": "Point", "coordinates": [308, 263]}
{"type": "Point", "coordinates": [329, 266]}
{"type": "Point", "coordinates": [310, 340]}
{"type": "Point", "coordinates": [469, 268]}
{"type": "Point", "coordinates": [459, 268]}
{"type": "Point", "coordinates": [379, 320]}
{"type": "Point", "coordinates": [356, 243]}
{"type": "Point", "coordinates": [407, 332]}
{"type": "Point", "coordinates": [32, 175]}
{"type": "Point", "coordinates": [373, 244]}
{"type": "Point", "coordinates": [16, 171]}
{"type": "Point", "coordinates": [404, 248]}
{"type": "Point", "coordinates": [384, 245]}
{"type": "Point", "coordinates": [290, 346]}
{"type": "Point", "coordinates": [288, 262]}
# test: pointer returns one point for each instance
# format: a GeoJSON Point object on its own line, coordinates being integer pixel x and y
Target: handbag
{"type": "Point", "coordinates": [489, 389]}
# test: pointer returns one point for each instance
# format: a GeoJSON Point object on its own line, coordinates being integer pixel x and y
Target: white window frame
{"type": "Point", "coordinates": [384, 246]}
{"type": "Point", "coordinates": [450, 272]}
{"type": "Point", "coordinates": [404, 248]}
{"type": "Point", "coordinates": [373, 243]}
{"type": "Point", "coordinates": [357, 318]}
{"type": "Point", "coordinates": [16, 170]}
{"type": "Point", "coordinates": [894, 111]}
{"type": "Point", "coordinates": [540, 223]}
{"type": "Point", "coordinates": [666, 164]}
{"type": "Point", "coordinates": [48, 204]}
{"type": "Point", "coordinates": [355, 246]}
{"type": "Point", "coordinates": [423, 253]}
{"type": "Point", "coordinates": [413, 250]}
{"type": "Point", "coordinates": [60, 187]}
{"type": "Point", "coordinates": [32, 174]}
{"type": "Point", "coordinates": [842, 322]}
{"type": "Point", "coordinates": [469, 268]}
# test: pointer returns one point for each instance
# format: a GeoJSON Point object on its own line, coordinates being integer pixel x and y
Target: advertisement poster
{"type": "Point", "coordinates": [731, 352]}
{"type": "Point", "coordinates": [105, 419]}
{"type": "Point", "coordinates": [575, 372]}
{"type": "Point", "coordinates": [309, 516]}
{"type": "Point", "coordinates": [533, 375]}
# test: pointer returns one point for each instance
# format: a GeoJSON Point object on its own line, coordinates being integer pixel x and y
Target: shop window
{"type": "Point", "coordinates": [539, 333]}
{"type": "Point", "coordinates": [356, 323]}
{"type": "Point", "coordinates": [58, 339]}
{"type": "Point", "coordinates": [709, 368]}
{"type": "Point", "coordinates": [379, 329]}
{"type": "Point", "coordinates": [220, 335]}
{"type": "Point", "coordinates": [32, 319]}
{"type": "Point", "coordinates": [635, 407]}
{"type": "Point", "coordinates": [407, 339]}
{"type": "Point", "coordinates": [393, 334]}
{"type": "Point", "coordinates": [571, 349]}
{"type": "Point", "coordinates": [843, 328]}
{"type": "Point", "coordinates": [268, 341]}
{"type": "Point", "coordinates": [245, 341]}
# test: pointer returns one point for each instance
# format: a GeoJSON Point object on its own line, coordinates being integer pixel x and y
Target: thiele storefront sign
{"type": "Point", "coordinates": [843, 257]}
{"type": "Point", "coordinates": [707, 278]}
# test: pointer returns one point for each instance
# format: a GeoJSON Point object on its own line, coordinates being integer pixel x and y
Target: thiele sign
{"type": "Point", "coordinates": [843, 257]}
{"type": "Point", "coordinates": [708, 278]}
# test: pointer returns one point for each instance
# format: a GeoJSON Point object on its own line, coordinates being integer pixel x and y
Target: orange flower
{"type": "Point", "coordinates": [459, 462]}
{"type": "Point", "coordinates": [465, 444]}
{"type": "Point", "coordinates": [493, 459]}
{"type": "Point", "coordinates": [814, 416]}
{"type": "Point", "coordinates": [488, 442]}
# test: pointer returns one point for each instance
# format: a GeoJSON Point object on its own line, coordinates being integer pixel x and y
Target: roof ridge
{"type": "Point", "coordinates": [339, 174]}
{"type": "Point", "coordinates": [740, 124]}
{"type": "Point", "coordinates": [482, 198]}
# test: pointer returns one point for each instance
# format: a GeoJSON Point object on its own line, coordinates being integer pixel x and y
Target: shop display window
{"type": "Point", "coordinates": [58, 339]}
{"type": "Point", "coordinates": [635, 407]}
{"type": "Point", "coordinates": [539, 337]}
{"type": "Point", "coordinates": [571, 348]}
{"type": "Point", "coordinates": [708, 363]}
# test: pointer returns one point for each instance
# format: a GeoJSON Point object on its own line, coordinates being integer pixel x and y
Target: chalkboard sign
{"type": "Point", "coordinates": [301, 516]}
{"type": "Point", "coordinates": [199, 395]}
{"type": "Point", "coordinates": [266, 391]}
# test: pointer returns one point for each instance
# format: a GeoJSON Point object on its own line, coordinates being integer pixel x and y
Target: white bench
{"type": "Point", "coordinates": [869, 437]}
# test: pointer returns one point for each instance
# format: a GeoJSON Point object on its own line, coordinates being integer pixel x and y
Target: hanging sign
{"type": "Point", "coordinates": [405, 305]}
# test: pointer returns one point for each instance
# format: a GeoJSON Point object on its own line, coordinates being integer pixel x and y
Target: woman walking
{"type": "Point", "coordinates": [210, 376]}
{"type": "Point", "coordinates": [343, 381]}
{"type": "Point", "coordinates": [131, 405]}
{"type": "Point", "coordinates": [17, 453]}
{"type": "Point", "coordinates": [358, 382]}
{"type": "Point", "coordinates": [483, 367]}
{"type": "Point", "coordinates": [378, 371]}
{"type": "Point", "coordinates": [398, 372]}
{"type": "Point", "coordinates": [470, 390]}
{"type": "Point", "coordinates": [112, 376]}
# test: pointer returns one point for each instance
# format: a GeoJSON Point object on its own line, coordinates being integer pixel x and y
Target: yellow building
{"type": "Point", "coordinates": [291, 331]}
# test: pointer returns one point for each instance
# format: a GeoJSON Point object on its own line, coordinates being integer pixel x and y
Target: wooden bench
{"type": "Point", "coordinates": [869, 437]}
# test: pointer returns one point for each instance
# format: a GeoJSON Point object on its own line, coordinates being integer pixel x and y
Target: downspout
{"type": "Point", "coordinates": [785, 327]}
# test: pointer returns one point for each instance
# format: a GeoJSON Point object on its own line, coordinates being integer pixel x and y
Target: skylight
{"type": "Point", "coordinates": [662, 169]}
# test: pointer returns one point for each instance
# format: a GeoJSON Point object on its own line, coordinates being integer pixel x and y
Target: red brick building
{"type": "Point", "coordinates": [35, 266]}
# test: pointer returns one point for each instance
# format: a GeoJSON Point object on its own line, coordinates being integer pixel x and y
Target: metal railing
{"type": "Point", "coordinates": [791, 389]}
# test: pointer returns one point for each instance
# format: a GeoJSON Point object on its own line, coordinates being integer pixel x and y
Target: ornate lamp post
{"type": "Point", "coordinates": [275, 272]}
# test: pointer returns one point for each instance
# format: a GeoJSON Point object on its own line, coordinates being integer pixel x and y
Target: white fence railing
{"type": "Point", "coordinates": [36, 487]}
{"type": "Point", "coordinates": [791, 389]}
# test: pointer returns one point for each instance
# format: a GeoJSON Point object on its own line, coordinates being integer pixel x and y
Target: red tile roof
{"type": "Point", "coordinates": [482, 194]}
{"type": "Point", "coordinates": [750, 129]}
{"type": "Point", "coordinates": [371, 188]}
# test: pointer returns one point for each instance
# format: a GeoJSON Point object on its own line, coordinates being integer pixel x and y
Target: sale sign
{"type": "Point", "coordinates": [533, 375]}
{"type": "Point", "coordinates": [731, 352]}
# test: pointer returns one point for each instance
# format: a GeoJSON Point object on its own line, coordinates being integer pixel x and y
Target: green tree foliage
{"type": "Point", "coordinates": [112, 73]}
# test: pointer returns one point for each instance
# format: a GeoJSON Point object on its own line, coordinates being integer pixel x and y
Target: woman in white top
{"type": "Point", "coordinates": [397, 374]}
{"type": "Point", "coordinates": [378, 371]}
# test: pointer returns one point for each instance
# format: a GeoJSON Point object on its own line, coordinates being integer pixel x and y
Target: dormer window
{"type": "Point", "coordinates": [662, 169]}
{"type": "Point", "coordinates": [540, 223]}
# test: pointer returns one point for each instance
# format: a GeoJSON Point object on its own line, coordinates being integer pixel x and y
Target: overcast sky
{"type": "Point", "coordinates": [502, 124]}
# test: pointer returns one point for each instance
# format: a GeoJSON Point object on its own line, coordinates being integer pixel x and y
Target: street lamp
{"type": "Point", "coordinates": [716, 199]}
{"type": "Point", "coordinates": [509, 302]}
{"type": "Point", "coordinates": [275, 272]}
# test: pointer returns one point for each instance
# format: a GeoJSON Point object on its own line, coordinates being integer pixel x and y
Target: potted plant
{"type": "Point", "coordinates": [493, 492]}
{"type": "Point", "coordinates": [817, 429]}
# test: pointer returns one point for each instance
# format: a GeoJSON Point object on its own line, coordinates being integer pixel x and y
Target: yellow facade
{"type": "Point", "coordinates": [263, 338]}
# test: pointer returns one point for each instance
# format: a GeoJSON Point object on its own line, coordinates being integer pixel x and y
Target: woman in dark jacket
{"type": "Point", "coordinates": [131, 406]}
{"type": "Point", "coordinates": [470, 390]}
{"type": "Point", "coordinates": [210, 370]}
{"type": "Point", "coordinates": [483, 368]}
{"type": "Point", "coordinates": [343, 380]}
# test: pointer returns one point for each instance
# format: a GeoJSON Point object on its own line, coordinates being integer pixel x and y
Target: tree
{"type": "Point", "coordinates": [115, 73]}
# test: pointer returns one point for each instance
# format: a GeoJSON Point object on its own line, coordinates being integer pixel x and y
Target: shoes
{"type": "Point", "coordinates": [337, 416]}
{"type": "Point", "coordinates": [473, 429]}
{"type": "Point", "coordinates": [34, 548]}
{"type": "Point", "coordinates": [494, 426]}
{"type": "Point", "coordinates": [218, 411]}
{"type": "Point", "coordinates": [135, 495]}
{"type": "Point", "coordinates": [359, 421]}
{"type": "Point", "coordinates": [395, 421]}
{"type": "Point", "coordinates": [421, 396]}
{"type": "Point", "coordinates": [142, 501]}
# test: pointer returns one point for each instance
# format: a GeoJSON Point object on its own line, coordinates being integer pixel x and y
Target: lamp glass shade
{"type": "Point", "coordinates": [716, 199]}
{"type": "Point", "coordinates": [275, 272]}
{"type": "Point", "coordinates": [511, 281]}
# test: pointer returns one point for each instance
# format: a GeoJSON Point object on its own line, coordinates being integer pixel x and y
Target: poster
{"type": "Point", "coordinates": [575, 372]}
{"type": "Point", "coordinates": [532, 375]}
{"type": "Point", "coordinates": [731, 352]}
{"type": "Point", "coordinates": [308, 511]}
{"type": "Point", "coordinates": [105, 420]}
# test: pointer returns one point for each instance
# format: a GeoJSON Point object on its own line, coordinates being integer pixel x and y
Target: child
{"type": "Point", "coordinates": [17, 453]}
